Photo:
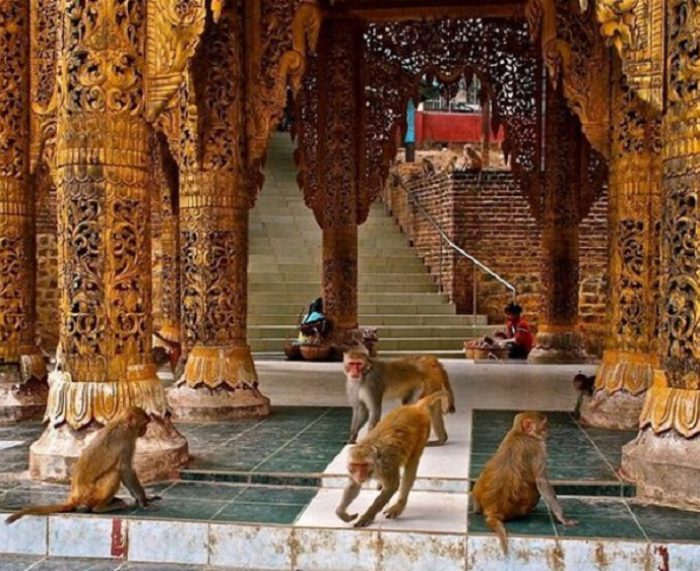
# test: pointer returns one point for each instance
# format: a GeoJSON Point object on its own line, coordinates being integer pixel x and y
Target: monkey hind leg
{"type": "Point", "coordinates": [438, 424]}
{"type": "Point", "coordinates": [496, 524]}
{"type": "Point", "coordinates": [113, 505]}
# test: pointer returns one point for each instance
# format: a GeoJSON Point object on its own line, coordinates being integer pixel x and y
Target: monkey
{"type": "Point", "coordinates": [103, 464]}
{"type": "Point", "coordinates": [427, 166]}
{"type": "Point", "coordinates": [585, 386]}
{"type": "Point", "coordinates": [513, 480]}
{"type": "Point", "coordinates": [396, 442]}
{"type": "Point", "coordinates": [368, 380]}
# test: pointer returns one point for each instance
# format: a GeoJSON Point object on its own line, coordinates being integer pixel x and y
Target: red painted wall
{"type": "Point", "coordinates": [450, 127]}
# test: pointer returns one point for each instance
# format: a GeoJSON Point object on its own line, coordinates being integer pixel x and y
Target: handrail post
{"type": "Point", "coordinates": [440, 266]}
{"type": "Point", "coordinates": [474, 297]}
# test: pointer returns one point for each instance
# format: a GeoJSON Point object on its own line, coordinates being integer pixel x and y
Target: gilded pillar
{"type": "Point", "coordinates": [103, 205]}
{"type": "Point", "coordinates": [485, 127]}
{"type": "Point", "coordinates": [339, 113]}
{"type": "Point", "coordinates": [219, 380]}
{"type": "Point", "coordinates": [558, 340]}
{"type": "Point", "coordinates": [166, 188]}
{"type": "Point", "coordinates": [634, 211]}
{"type": "Point", "coordinates": [22, 370]}
{"type": "Point", "coordinates": [664, 459]}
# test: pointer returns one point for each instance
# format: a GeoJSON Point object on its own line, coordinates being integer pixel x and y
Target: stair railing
{"type": "Point", "coordinates": [412, 199]}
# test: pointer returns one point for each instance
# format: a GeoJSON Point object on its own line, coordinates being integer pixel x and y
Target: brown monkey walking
{"type": "Point", "coordinates": [396, 442]}
{"type": "Point", "coordinates": [106, 461]}
{"type": "Point", "coordinates": [369, 380]}
{"type": "Point", "coordinates": [516, 476]}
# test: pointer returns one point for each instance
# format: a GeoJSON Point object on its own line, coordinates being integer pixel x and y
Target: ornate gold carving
{"type": "Point", "coordinates": [284, 32]}
{"type": "Point", "coordinates": [103, 201]}
{"type": "Point", "coordinates": [574, 51]}
{"type": "Point", "coordinates": [671, 408]}
{"type": "Point", "coordinates": [174, 29]}
{"type": "Point", "coordinates": [635, 208]}
{"type": "Point", "coordinates": [631, 372]}
{"type": "Point", "coordinates": [80, 403]}
{"type": "Point", "coordinates": [17, 291]}
{"type": "Point", "coordinates": [636, 29]}
{"type": "Point", "coordinates": [214, 366]}
{"type": "Point", "coordinates": [680, 331]}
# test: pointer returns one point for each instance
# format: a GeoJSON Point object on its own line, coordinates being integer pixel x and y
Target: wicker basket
{"type": "Point", "coordinates": [292, 350]}
{"type": "Point", "coordinates": [315, 352]}
{"type": "Point", "coordinates": [498, 353]}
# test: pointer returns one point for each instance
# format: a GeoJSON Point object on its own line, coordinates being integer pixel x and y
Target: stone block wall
{"type": "Point", "coordinates": [488, 217]}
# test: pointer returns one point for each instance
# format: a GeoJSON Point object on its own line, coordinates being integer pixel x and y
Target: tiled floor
{"type": "Point", "coordinates": [582, 460]}
{"type": "Point", "coordinates": [270, 471]}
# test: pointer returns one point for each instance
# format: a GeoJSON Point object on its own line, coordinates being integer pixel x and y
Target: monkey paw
{"type": "Point", "coordinates": [569, 522]}
{"type": "Point", "coordinates": [362, 522]}
{"type": "Point", "coordinates": [394, 511]}
{"type": "Point", "coordinates": [346, 517]}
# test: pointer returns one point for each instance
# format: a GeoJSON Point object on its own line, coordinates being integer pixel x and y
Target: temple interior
{"type": "Point", "coordinates": [213, 214]}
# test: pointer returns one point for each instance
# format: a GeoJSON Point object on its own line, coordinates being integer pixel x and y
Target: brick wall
{"type": "Point", "coordinates": [489, 219]}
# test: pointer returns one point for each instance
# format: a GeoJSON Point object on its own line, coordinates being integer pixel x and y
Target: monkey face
{"type": "Point", "coordinates": [354, 369]}
{"type": "Point", "coordinates": [360, 472]}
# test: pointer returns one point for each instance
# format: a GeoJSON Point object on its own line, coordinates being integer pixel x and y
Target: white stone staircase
{"type": "Point", "coordinates": [396, 293]}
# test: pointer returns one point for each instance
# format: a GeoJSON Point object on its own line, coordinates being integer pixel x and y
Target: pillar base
{"type": "Point", "coordinates": [20, 400]}
{"type": "Point", "coordinates": [617, 411]}
{"type": "Point", "coordinates": [621, 384]}
{"type": "Point", "coordinates": [221, 404]}
{"type": "Point", "coordinates": [665, 468]}
{"type": "Point", "coordinates": [219, 384]}
{"type": "Point", "coordinates": [341, 340]}
{"type": "Point", "coordinates": [565, 346]}
{"type": "Point", "coordinates": [160, 453]}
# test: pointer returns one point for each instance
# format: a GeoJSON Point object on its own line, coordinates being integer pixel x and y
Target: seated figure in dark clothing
{"type": "Point", "coordinates": [518, 337]}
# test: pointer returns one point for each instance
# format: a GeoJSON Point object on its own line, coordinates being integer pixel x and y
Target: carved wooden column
{"type": "Point", "coordinates": [558, 340]}
{"type": "Point", "coordinates": [634, 195]}
{"type": "Point", "coordinates": [166, 186]}
{"type": "Point", "coordinates": [104, 247]}
{"type": "Point", "coordinates": [339, 120]}
{"type": "Point", "coordinates": [220, 381]}
{"type": "Point", "coordinates": [664, 459]}
{"type": "Point", "coordinates": [22, 371]}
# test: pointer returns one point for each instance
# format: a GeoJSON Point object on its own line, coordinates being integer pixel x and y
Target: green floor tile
{"type": "Point", "coordinates": [534, 524]}
{"type": "Point", "coordinates": [17, 562]}
{"type": "Point", "coordinates": [180, 508]}
{"type": "Point", "coordinates": [592, 526]}
{"type": "Point", "coordinates": [259, 513]}
{"type": "Point", "coordinates": [663, 524]}
{"type": "Point", "coordinates": [203, 491]}
{"type": "Point", "coordinates": [276, 495]}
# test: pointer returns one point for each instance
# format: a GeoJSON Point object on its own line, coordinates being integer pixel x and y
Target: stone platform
{"type": "Point", "coordinates": [261, 495]}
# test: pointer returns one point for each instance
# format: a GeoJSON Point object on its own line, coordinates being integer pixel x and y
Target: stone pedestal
{"type": "Point", "coordinates": [159, 454]}
{"type": "Point", "coordinates": [219, 384]}
{"type": "Point", "coordinates": [557, 346]}
{"type": "Point", "coordinates": [617, 411]}
{"type": "Point", "coordinates": [665, 467]}
{"type": "Point", "coordinates": [620, 389]}
{"type": "Point", "coordinates": [20, 400]}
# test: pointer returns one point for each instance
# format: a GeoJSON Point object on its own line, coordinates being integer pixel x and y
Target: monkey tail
{"type": "Point", "coordinates": [497, 525]}
{"type": "Point", "coordinates": [40, 510]}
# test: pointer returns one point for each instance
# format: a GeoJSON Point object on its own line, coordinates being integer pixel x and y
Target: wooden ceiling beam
{"type": "Point", "coordinates": [392, 12]}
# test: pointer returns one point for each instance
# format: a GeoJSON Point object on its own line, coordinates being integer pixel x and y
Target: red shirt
{"type": "Point", "coordinates": [519, 330]}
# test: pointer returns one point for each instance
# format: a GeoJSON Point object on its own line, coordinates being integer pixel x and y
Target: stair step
{"type": "Point", "coordinates": [396, 293]}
